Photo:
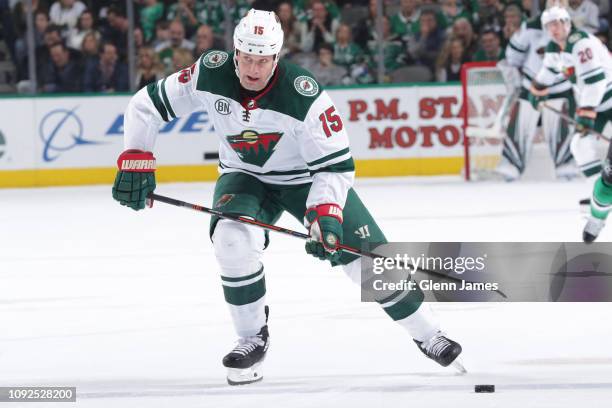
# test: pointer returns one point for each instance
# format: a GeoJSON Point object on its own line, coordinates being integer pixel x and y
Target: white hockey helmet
{"type": "Point", "coordinates": [555, 13]}
{"type": "Point", "coordinates": [259, 33]}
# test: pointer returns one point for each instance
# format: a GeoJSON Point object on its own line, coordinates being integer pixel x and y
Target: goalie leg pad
{"type": "Point", "coordinates": [238, 249]}
{"type": "Point", "coordinates": [558, 132]}
{"type": "Point", "coordinates": [520, 133]}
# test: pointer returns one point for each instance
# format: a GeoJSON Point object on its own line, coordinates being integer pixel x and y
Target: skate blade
{"type": "Point", "coordinates": [243, 376]}
{"type": "Point", "coordinates": [458, 365]}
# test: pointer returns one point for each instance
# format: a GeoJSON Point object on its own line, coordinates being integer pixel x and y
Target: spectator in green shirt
{"type": "Point", "coordinates": [405, 21]}
{"type": "Point", "coordinates": [393, 49]}
{"type": "Point", "coordinates": [452, 10]}
{"type": "Point", "coordinates": [149, 15]}
{"type": "Point", "coordinates": [346, 52]}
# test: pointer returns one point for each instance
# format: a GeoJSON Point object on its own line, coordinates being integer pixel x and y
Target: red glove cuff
{"type": "Point", "coordinates": [136, 161]}
{"type": "Point", "coordinates": [587, 113]}
{"type": "Point", "coordinates": [327, 210]}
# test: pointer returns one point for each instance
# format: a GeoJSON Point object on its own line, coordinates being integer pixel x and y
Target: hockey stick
{"type": "Point", "coordinates": [286, 231]}
{"type": "Point", "coordinates": [573, 121]}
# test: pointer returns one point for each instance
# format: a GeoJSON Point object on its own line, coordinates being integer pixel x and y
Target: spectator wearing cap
{"type": "Point", "coordinates": [65, 13]}
{"type": "Point", "coordinates": [321, 27]}
{"type": "Point", "coordinates": [324, 69]}
{"type": "Point", "coordinates": [426, 44]}
{"type": "Point", "coordinates": [63, 73]}
{"type": "Point", "coordinates": [585, 15]}
{"type": "Point", "coordinates": [108, 74]}
{"type": "Point", "coordinates": [177, 40]}
{"type": "Point", "coordinates": [490, 49]}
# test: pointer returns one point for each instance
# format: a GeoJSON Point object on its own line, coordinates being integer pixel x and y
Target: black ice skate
{"type": "Point", "coordinates": [442, 350]}
{"type": "Point", "coordinates": [244, 361]}
{"type": "Point", "coordinates": [592, 229]}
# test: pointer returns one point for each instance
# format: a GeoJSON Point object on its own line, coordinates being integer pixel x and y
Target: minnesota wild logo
{"type": "Point", "coordinates": [569, 73]}
{"type": "Point", "coordinates": [215, 59]}
{"type": "Point", "coordinates": [254, 148]}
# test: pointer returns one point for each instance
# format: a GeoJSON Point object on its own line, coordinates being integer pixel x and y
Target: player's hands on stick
{"type": "Point", "coordinates": [537, 94]}
{"type": "Point", "coordinates": [585, 119]}
{"type": "Point", "coordinates": [135, 178]}
{"type": "Point", "coordinates": [324, 223]}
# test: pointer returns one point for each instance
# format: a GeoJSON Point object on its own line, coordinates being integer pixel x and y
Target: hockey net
{"type": "Point", "coordinates": [485, 118]}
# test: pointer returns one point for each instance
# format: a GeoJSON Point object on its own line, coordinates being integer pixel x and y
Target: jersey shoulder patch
{"type": "Point", "coordinates": [576, 35]}
{"type": "Point", "coordinates": [216, 75]}
{"type": "Point", "coordinates": [306, 85]}
{"type": "Point", "coordinates": [214, 59]}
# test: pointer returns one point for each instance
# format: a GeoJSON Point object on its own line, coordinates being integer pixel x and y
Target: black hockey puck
{"type": "Point", "coordinates": [484, 388]}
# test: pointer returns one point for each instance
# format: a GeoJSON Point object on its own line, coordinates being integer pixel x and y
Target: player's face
{"type": "Point", "coordinates": [558, 31]}
{"type": "Point", "coordinates": [254, 70]}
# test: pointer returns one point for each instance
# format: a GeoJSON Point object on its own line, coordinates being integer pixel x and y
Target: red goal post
{"type": "Point", "coordinates": [485, 100]}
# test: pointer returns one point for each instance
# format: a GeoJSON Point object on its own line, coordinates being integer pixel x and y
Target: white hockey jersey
{"type": "Point", "coordinates": [586, 62]}
{"type": "Point", "coordinates": [525, 51]}
{"type": "Point", "coordinates": [289, 133]}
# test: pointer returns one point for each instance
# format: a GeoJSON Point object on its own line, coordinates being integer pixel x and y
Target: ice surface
{"type": "Point", "coordinates": [128, 306]}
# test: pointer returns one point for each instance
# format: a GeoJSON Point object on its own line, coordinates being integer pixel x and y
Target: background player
{"type": "Point", "coordinates": [586, 61]}
{"type": "Point", "coordinates": [525, 52]}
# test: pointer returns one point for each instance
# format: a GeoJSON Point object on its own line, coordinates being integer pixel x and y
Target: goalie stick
{"type": "Point", "coordinates": [573, 121]}
{"type": "Point", "coordinates": [495, 130]}
{"type": "Point", "coordinates": [245, 220]}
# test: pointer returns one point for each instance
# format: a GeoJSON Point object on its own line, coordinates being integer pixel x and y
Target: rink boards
{"type": "Point", "coordinates": [410, 129]}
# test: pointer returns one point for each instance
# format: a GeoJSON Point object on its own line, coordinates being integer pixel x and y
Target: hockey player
{"type": "Point", "coordinates": [525, 52]}
{"type": "Point", "coordinates": [283, 147]}
{"type": "Point", "coordinates": [583, 59]}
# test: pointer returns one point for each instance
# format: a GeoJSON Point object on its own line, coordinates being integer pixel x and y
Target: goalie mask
{"type": "Point", "coordinates": [557, 23]}
{"type": "Point", "coordinates": [258, 33]}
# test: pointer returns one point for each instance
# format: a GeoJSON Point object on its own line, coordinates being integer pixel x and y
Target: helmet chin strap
{"type": "Point", "coordinates": [276, 58]}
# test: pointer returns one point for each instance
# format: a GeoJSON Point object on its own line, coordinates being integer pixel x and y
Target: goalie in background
{"type": "Point", "coordinates": [585, 59]}
{"type": "Point", "coordinates": [524, 56]}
